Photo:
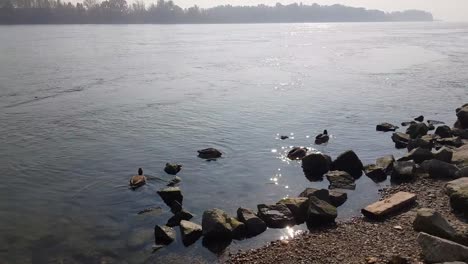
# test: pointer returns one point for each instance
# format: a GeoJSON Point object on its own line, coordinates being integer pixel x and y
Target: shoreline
{"type": "Point", "coordinates": [360, 240]}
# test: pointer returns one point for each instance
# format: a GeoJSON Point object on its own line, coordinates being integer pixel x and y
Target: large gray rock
{"type": "Point", "coordinates": [320, 212]}
{"type": "Point", "coordinates": [436, 249]}
{"type": "Point", "coordinates": [276, 215]}
{"type": "Point", "coordinates": [403, 171]}
{"type": "Point", "coordinates": [337, 198]}
{"type": "Point", "coordinates": [376, 173]}
{"type": "Point", "coordinates": [190, 232]}
{"type": "Point", "coordinates": [297, 206]}
{"type": "Point", "coordinates": [401, 139]}
{"type": "Point", "coordinates": [386, 163]}
{"type": "Point", "coordinates": [171, 194]}
{"type": "Point", "coordinates": [462, 173]}
{"type": "Point", "coordinates": [460, 156]}
{"type": "Point", "coordinates": [426, 142]}
{"type": "Point", "coordinates": [418, 155]}
{"type": "Point", "coordinates": [238, 228]}
{"type": "Point", "coordinates": [164, 235]}
{"type": "Point", "coordinates": [216, 224]}
{"type": "Point", "coordinates": [178, 217]}
{"type": "Point", "coordinates": [431, 222]}
{"type": "Point", "coordinates": [450, 141]}
{"type": "Point", "coordinates": [348, 161]}
{"type": "Point", "coordinates": [322, 194]}
{"type": "Point", "coordinates": [340, 180]}
{"type": "Point", "coordinates": [462, 133]}
{"type": "Point", "coordinates": [253, 223]}
{"type": "Point", "coordinates": [417, 130]}
{"type": "Point", "coordinates": [456, 185]}
{"type": "Point", "coordinates": [462, 115]}
{"type": "Point", "coordinates": [385, 127]}
{"type": "Point", "coordinates": [459, 200]}
{"type": "Point", "coordinates": [444, 154]}
{"type": "Point", "coordinates": [439, 169]}
{"type": "Point", "coordinates": [315, 165]}
{"type": "Point", "coordinates": [443, 131]}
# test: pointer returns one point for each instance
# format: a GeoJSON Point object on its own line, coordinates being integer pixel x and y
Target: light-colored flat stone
{"type": "Point", "coordinates": [460, 156]}
{"type": "Point", "coordinates": [436, 249]}
{"type": "Point", "coordinates": [390, 205]}
{"type": "Point", "coordinates": [456, 185]}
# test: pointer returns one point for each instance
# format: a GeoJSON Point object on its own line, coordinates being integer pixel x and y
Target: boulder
{"type": "Point", "coordinates": [385, 127]}
{"type": "Point", "coordinates": [315, 165]}
{"type": "Point", "coordinates": [456, 185]}
{"type": "Point", "coordinates": [320, 212]}
{"type": "Point", "coordinates": [190, 232]}
{"type": "Point", "coordinates": [238, 229]}
{"type": "Point", "coordinates": [172, 168]}
{"type": "Point", "coordinates": [178, 217]}
{"type": "Point", "coordinates": [443, 131]}
{"type": "Point", "coordinates": [418, 155]}
{"type": "Point", "coordinates": [209, 153]}
{"type": "Point", "coordinates": [444, 154]}
{"type": "Point", "coordinates": [386, 163]}
{"type": "Point", "coordinates": [419, 118]}
{"type": "Point", "coordinates": [340, 180]}
{"type": "Point", "coordinates": [337, 198]}
{"type": "Point", "coordinates": [417, 130]}
{"type": "Point", "coordinates": [401, 140]}
{"type": "Point", "coordinates": [403, 171]}
{"type": "Point", "coordinates": [348, 161]}
{"type": "Point", "coordinates": [297, 153]}
{"type": "Point", "coordinates": [459, 200]}
{"type": "Point", "coordinates": [391, 205]}
{"type": "Point", "coordinates": [375, 172]}
{"type": "Point", "coordinates": [426, 142]}
{"type": "Point", "coordinates": [276, 215]}
{"type": "Point", "coordinates": [461, 133]}
{"type": "Point", "coordinates": [462, 115]}
{"type": "Point", "coordinates": [462, 173]}
{"type": "Point", "coordinates": [254, 225]}
{"type": "Point", "coordinates": [171, 194]}
{"type": "Point", "coordinates": [216, 224]}
{"type": "Point", "coordinates": [450, 141]}
{"type": "Point", "coordinates": [430, 127]}
{"type": "Point", "coordinates": [164, 235]}
{"type": "Point", "coordinates": [176, 207]}
{"type": "Point", "coordinates": [436, 249]}
{"type": "Point", "coordinates": [460, 156]}
{"type": "Point", "coordinates": [297, 206]}
{"type": "Point", "coordinates": [439, 169]}
{"type": "Point", "coordinates": [431, 222]}
{"type": "Point", "coordinates": [322, 194]}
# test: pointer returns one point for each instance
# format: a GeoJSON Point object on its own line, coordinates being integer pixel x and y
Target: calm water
{"type": "Point", "coordinates": [82, 107]}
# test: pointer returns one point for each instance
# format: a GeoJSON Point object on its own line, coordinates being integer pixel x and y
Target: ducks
{"type": "Point", "coordinates": [322, 138]}
{"type": "Point", "coordinates": [297, 153]}
{"type": "Point", "coordinates": [138, 180]}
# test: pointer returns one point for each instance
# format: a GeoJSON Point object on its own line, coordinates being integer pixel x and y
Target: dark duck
{"type": "Point", "coordinates": [322, 138]}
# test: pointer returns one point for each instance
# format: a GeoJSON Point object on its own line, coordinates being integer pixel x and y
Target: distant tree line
{"type": "Point", "coordinates": [165, 12]}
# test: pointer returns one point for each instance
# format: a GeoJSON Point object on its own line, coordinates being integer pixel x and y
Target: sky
{"type": "Point", "coordinates": [447, 10]}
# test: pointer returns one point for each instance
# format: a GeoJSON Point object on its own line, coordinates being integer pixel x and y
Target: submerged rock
{"type": "Point", "coordinates": [348, 161]}
{"type": "Point", "coordinates": [164, 235]}
{"type": "Point", "coordinates": [190, 232]}
{"type": "Point", "coordinates": [385, 127]}
{"type": "Point", "coordinates": [320, 212]}
{"type": "Point", "coordinates": [431, 222]}
{"type": "Point", "coordinates": [297, 153]}
{"type": "Point", "coordinates": [340, 180]}
{"type": "Point", "coordinates": [174, 181]}
{"type": "Point", "coordinates": [209, 153]}
{"type": "Point", "coordinates": [436, 249]}
{"type": "Point", "coordinates": [172, 168]}
{"type": "Point", "coordinates": [315, 165]}
{"type": "Point", "coordinates": [178, 217]}
{"type": "Point", "coordinates": [253, 223]}
{"type": "Point", "coordinates": [276, 216]}
{"type": "Point", "coordinates": [439, 169]}
{"type": "Point", "coordinates": [171, 194]}
{"type": "Point", "coordinates": [140, 238]}
{"type": "Point", "coordinates": [376, 173]}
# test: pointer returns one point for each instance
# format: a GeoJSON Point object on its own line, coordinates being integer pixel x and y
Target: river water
{"type": "Point", "coordinates": [83, 106]}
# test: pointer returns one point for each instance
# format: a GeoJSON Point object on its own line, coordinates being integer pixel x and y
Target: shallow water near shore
{"type": "Point", "coordinates": [82, 107]}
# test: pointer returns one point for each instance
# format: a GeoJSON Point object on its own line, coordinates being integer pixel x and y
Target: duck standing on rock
{"type": "Point", "coordinates": [137, 180]}
{"type": "Point", "coordinates": [322, 138]}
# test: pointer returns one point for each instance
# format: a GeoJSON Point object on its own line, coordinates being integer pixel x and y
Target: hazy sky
{"type": "Point", "coordinates": [449, 10]}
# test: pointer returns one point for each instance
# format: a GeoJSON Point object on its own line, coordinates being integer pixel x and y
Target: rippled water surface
{"type": "Point", "coordinates": [82, 107]}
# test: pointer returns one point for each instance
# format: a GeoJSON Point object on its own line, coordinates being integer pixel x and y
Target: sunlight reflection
{"type": "Point", "coordinates": [289, 233]}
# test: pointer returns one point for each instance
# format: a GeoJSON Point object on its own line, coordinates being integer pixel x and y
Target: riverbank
{"type": "Point", "coordinates": [360, 240]}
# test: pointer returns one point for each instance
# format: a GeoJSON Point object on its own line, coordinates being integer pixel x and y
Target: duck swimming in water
{"type": "Point", "coordinates": [322, 138]}
{"type": "Point", "coordinates": [138, 180]}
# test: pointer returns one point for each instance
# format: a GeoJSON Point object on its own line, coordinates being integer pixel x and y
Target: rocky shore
{"type": "Point", "coordinates": [428, 225]}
